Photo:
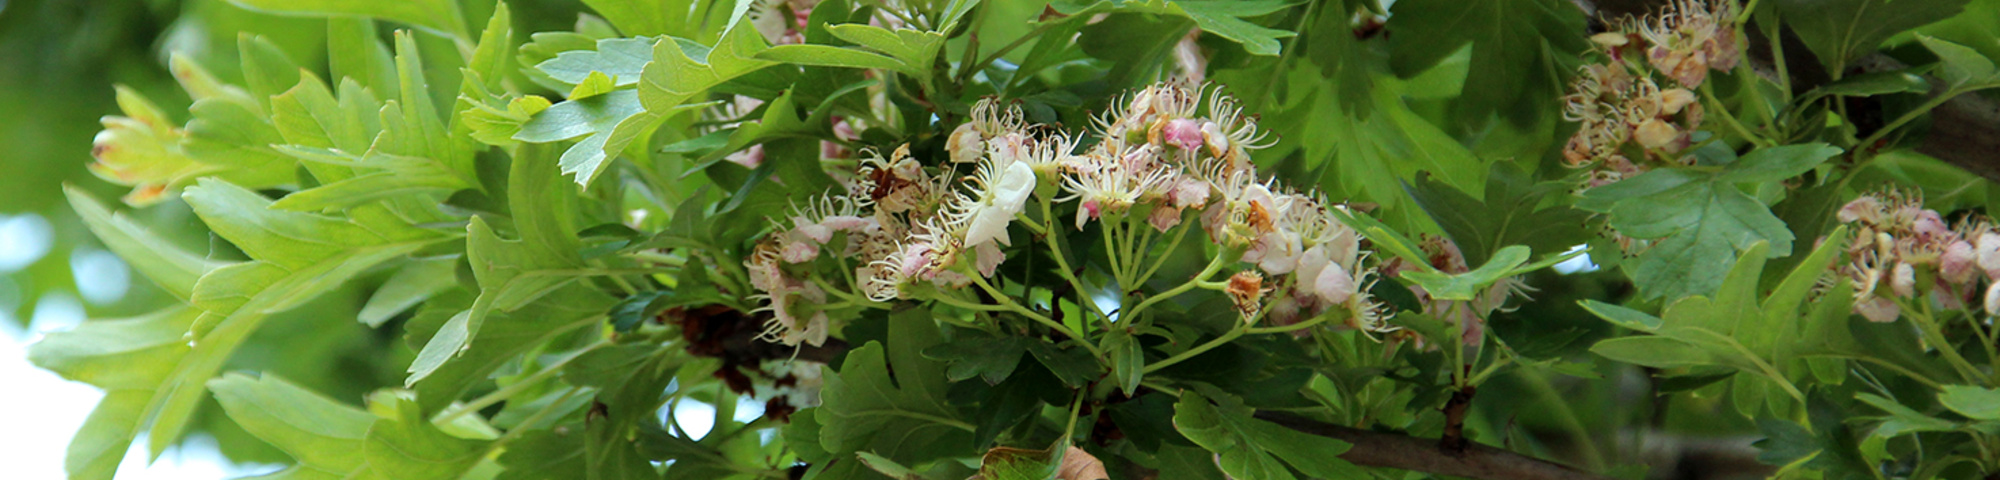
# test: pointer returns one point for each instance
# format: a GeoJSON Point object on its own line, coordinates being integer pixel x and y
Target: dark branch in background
{"type": "Point", "coordinates": [1964, 132]}
{"type": "Point", "coordinates": [1395, 450]}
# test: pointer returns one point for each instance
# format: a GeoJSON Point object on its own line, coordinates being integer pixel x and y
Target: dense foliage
{"type": "Point", "coordinates": [937, 239]}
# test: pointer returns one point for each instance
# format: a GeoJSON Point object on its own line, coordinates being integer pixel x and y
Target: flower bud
{"type": "Point", "coordinates": [1987, 251]}
{"type": "Point", "coordinates": [1673, 100]}
{"type": "Point", "coordinates": [1655, 134]}
{"type": "Point", "coordinates": [964, 144]}
{"type": "Point", "coordinates": [1864, 208]}
{"type": "Point", "coordinates": [1957, 262]}
{"type": "Point", "coordinates": [1334, 284]}
{"type": "Point", "coordinates": [1184, 134]}
{"type": "Point", "coordinates": [1903, 280]}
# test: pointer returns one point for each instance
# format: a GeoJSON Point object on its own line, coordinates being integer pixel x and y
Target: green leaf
{"type": "Point", "coordinates": [414, 283]}
{"type": "Point", "coordinates": [1962, 67]}
{"type": "Point", "coordinates": [128, 359]}
{"type": "Point", "coordinates": [655, 17]}
{"type": "Point", "coordinates": [1875, 83]}
{"type": "Point", "coordinates": [173, 269]}
{"type": "Point", "coordinates": [1654, 351]}
{"type": "Point", "coordinates": [1841, 31]}
{"type": "Point", "coordinates": [321, 434]}
{"type": "Point", "coordinates": [902, 416]}
{"type": "Point", "coordinates": [297, 257]}
{"type": "Point", "coordinates": [404, 444]}
{"type": "Point", "coordinates": [1128, 360]}
{"type": "Point", "coordinates": [439, 15]}
{"type": "Point", "coordinates": [977, 354]}
{"type": "Point", "coordinates": [1973, 402]}
{"type": "Point", "coordinates": [1511, 40]}
{"type": "Point", "coordinates": [1224, 18]}
{"type": "Point", "coordinates": [1466, 286]}
{"type": "Point", "coordinates": [830, 56]}
{"type": "Point", "coordinates": [621, 58]}
{"type": "Point", "coordinates": [1252, 448]}
{"type": "Point", "coordinates": [596, 117]}
{"type": "Point", "coordinates": [1621, 316]}
{"type": "Point", "coordinates": [1902, 419]}
{"type": "Point", "coordinates": [1700, 220]}
{"type": "Point", "coordinates": [1775, 164]}
{"type": "Point", "coordinates": [1512, 213]}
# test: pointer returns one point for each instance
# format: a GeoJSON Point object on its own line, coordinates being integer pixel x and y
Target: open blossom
{"type": "Point", "coordinates": [909, 228]}
{"type": "Point", "coordinates": [1902, 250]}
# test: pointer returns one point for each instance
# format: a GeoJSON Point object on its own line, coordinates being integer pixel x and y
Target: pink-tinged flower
{"type": "Point", "coordinates": [1184, 134]}
{"type": "Point", "coordinates": [1880, 310]}
{"type": "Point", "coordinates": [964, 144]}
{"type": "Point", "coordinates": [1280, 252]}
{"type": "Point", "coordinates": [1929, 225]}
{"type": "Point", "coordinates": [1334, 284]}
{"type": "Point", "coordinates": [799, 251]}
{"type": "Point", "coordinates": [815, 231]}
{"type": "Point", "coordinates": [1163, 218]}
{"type": "Point", "coordinates": [1957, 262]}
{"type": "Point", "coordinates": [989, 258]}
{"type": "Point", "coordinates": [1090, 209]}
{"type": "Point", "coordinates": [1217, 140]}
{"type": "Point", "coordinates": [1903, 280]}
{"type": "Point", "coordinates": [850, 223]}
{"type": "Point", "coordinates": [1189, 192]}
{"type": "Point", "coordinates": [1864, 208]}
{"type": "Point", "coordinates": [1009, 148]}
{"type": "Point", "coordinates": [916, 261]}
{"type": "Point", "coordinates": [1987, 251]}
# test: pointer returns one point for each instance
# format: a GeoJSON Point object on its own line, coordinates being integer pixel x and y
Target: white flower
{"type": "Point", "coordinates": [1006, 189]}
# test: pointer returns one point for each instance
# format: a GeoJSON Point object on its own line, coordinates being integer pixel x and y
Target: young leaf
{"type": "Point", "coordinates": [1252, 448]}
{"type": "Point", "coordinates": [901, 416]}
{"type": "Point", "coordinates": [439, 15]}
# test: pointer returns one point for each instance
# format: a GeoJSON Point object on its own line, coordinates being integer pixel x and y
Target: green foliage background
{"type": "Point", "coordinates": [1444, 120]}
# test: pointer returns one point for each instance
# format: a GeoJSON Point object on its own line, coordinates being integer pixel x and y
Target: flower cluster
{"type": "Point", "coordinates": [906, 230]}
{"type": "Point", "coordinates": [1902, 250]}
{"type": "Point", "coordinates": [1618, 104]}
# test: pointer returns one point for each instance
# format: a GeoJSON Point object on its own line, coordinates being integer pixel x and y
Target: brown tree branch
{"type": "Point", "coordinates": [1395, 450]}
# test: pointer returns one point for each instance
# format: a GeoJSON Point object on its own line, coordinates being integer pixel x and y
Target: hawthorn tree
{"type": "Point", "coordinates": [1084, 239]}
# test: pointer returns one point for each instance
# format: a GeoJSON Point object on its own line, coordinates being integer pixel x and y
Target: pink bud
{"type": "Point", "coordinates": [964, 144]}
{"type": "Point", "coordinates": [1190, 192]}
{"type": "Point", "coordinates": [1930, 226]}
{"type": "Point", "coordinates": [850, 223]}
{"type": "Point", "coordinates": [1334, 284]}
{"type": "Point", "coordinates": [1903, 280]}
{"type": "Point", "coordinates": [1987, 250]}
{"type": "Point", "coordinates": [1956, 263]}
{"type": "Point", "coordinates": [1164, 217]}
{"type": "Point", "coordinates": [1865, 207]}
{"type": "Point", "coordinates": [1090, 209]}
{"type": "Point", "coordinates": [800, 252]}
{"type": "Point", "coordinates": [1883, 310]}
{"type": "Point", "coordinates": [916, 256]}
{"type": "Point", "coordinates": [990, 257]}
{"type": "Point", "coordinates": [1184, 134]}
